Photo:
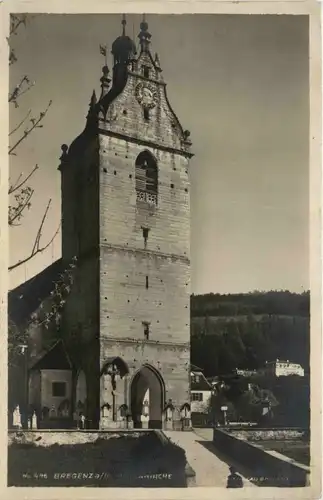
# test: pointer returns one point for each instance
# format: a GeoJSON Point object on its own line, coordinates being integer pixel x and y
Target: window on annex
{"type": "Point", "coordinates": [196, 396]}
{"type": "Point", "coordinates": [146, 178]}
{"type": "Point", "coordinates": [59, 389]}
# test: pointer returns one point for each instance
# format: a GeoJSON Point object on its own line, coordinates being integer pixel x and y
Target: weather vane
{"type": "Point", "coordinates": [104, 52]}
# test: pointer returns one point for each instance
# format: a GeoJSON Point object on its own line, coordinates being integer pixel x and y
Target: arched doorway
{"type": "Point", "coordinates": [147, 391]}
{"type": "Point", "coordinates": [114, 369]}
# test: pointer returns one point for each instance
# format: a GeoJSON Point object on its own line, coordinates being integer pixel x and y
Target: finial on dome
{"type": "Point", "coordinates": [63, 157]}
{"type": "Point", "coordinates": [144, 24]}
{"type": "Point", "coordinates": [123, 48]}
{"type": "Point", "coordinates": [124, 22]}
{"type": "Point", "coordinates": [144, 35]}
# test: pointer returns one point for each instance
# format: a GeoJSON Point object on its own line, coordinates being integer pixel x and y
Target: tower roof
{"type": "Point", "coordinates": [56, 358]}
{"type": "Point", "coordinates": [27, 297]}
{"type": "Point", "coordinates": [123, 48]}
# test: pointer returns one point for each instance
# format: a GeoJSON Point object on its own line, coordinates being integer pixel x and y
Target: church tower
{"type": "Point", "coordinates": [126, 217]}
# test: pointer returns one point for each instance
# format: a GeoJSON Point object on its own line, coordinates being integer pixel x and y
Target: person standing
{"type": "Point", "coordinates": [234, 479]}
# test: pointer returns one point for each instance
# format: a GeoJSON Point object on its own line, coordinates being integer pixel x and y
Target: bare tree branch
{"type": "Point", "coordinates": [23, 202]}
{"type": "Point", "coordinates": [35, 124]}
{"type": "Point", "coordinates": [59, 295]}
{"type": "Point", "coordinates": [22, 92]}
{"type": "Point", "coordinates": [19, 90]}
{"type": "Point", "coordinates": [39, 232]}
{"type": "Point", "coordinates": [15, 22]}
{"type": "Point", "coordinates": [36, 249]}
{"type": "Point", "coordinates": [12, 57]}
{"type": "Point", "coordinates": [17, 186]}
{"type": "Point", "coordinates": [19, 125]}
{"type": "Point", "coordinates": [41, 318]}
{"type": "Point", "coordinates": [22, 192]}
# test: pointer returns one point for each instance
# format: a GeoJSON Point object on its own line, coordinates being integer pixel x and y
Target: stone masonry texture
{"type": "Point", "coordinates": [121, 281]}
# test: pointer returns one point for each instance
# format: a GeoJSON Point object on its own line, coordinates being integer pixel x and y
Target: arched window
{"type": "Point", "coordinates": [146, 178]}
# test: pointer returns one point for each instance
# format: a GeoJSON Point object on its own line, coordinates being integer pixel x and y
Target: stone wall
{"type": "Point", "coordinates": [126, 302]}
{"type": "Point", "coordinates": [171, 361]}
{"type": "Point", "coordinates": [264, 467]}
{"type": "Point", "coordinates": [132, 459]}
{"type": "Point", "coordinates": [122, 218]}
{"type": "Point", "coordinates": [47, 379]}
{"type": "Point", "coordinates": [127, 299]}
{"type": "Point", "coordinates": [268, 434]}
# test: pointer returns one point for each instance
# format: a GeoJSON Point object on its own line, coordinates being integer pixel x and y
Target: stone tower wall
{"type": "Point", "coordinates": [125, 261]}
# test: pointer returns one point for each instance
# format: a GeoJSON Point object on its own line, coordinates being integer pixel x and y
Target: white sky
{"type": "Point", "coordinates": [240, 85]}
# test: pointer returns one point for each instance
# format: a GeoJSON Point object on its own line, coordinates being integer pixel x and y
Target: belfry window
{"type": "Point", "coordinates": [146, 178]}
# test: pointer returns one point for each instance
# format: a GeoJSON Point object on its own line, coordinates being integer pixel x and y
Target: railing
{"type": "Point", "coordinates": [147, 197]}
{"type": "Point", "coordinates": [201, 420]}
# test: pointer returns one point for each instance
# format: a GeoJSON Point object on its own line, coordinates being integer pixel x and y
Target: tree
{"type": "Point", "coordinates": [251, 403]}
{"type": "Point", "coordinates": [20, 201]}
{"type": "Point", "coordinates": [262, 330]}
{"type": "Point", "coordinates": [20, 191]}
{"type": "Point", "coordinates": [219, 399]}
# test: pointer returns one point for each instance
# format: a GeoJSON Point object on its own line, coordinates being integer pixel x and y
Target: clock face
{"type": "Point", "coordinates": [146, 95]}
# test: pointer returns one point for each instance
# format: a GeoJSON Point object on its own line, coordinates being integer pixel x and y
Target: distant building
{"type": "Point", "coordinates": [201, 391]}
{"type": "Point", "coordinates": [245, 373]}
{"type": "Point", "coordinates": [280, 368]}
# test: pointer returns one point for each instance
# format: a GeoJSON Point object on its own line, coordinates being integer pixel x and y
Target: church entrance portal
{"type": "Point", "coordinates": [147, 398]}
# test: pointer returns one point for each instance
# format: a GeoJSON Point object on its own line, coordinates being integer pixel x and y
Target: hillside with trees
{"type": "Point", "coordinates": [246, 330]}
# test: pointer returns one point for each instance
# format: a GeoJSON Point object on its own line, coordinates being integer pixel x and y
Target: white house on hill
{"type": "Point", "coordinates": [281, 368]}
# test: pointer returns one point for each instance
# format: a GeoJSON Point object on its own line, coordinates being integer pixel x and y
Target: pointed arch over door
{"type": "Point", "coordinates": [147, 177]}
{"type": "Point", "coordinates": [147, 394]}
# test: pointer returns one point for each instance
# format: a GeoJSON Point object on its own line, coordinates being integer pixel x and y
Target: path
{"type": "Point", "coordinates": [209, 469]}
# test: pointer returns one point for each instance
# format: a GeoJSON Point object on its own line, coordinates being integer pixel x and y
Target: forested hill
{"type": "Point", "coordinates": [245, 330]}
{"type": "Point", "coordinates": [282, 302]}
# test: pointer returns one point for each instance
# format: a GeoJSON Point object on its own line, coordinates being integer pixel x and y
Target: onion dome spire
{"type": "Point", "coordinates": [123, 48]}
{"type": "Point", "coordinates": [144, 35]}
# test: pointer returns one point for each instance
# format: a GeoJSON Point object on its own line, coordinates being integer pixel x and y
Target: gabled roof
{"type": "Point", "coordinates": [27, 297]}
{"type": "Point", "coordinates": [199, 382]}
{"type": "Point", "coordinates": [56, 358]}
{"type": "Point", "coordinates": [195, 368]}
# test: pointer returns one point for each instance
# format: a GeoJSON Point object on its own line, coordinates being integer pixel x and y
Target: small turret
{"type": "Point", "coordinates": [144, 35]}
{"type": "Point", "coordinates": [92, 105]}
{"type": "Point", "coordinates": [105, 81]}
